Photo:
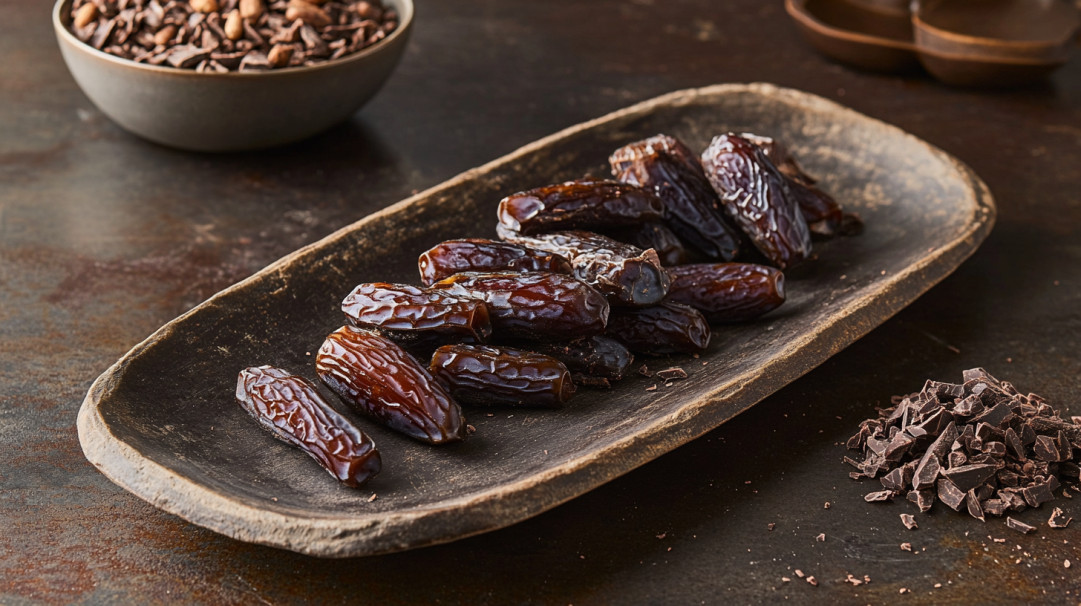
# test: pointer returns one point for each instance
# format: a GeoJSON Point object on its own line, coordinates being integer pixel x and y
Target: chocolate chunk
{"type": "Point", "coordinates": [895, 480]}
{"type": "Point", "coordinates": [897, 447]}
{"type": "Point", "coordinates": [1014, 501]}
{"type": "Point", "coordinates": [923, 499]}
{"type": "Point", "coordinates": [968, 407]}
{"type": "Point", "coordinates": [1006, 477]}
{"type": "Point", "coordinates": [1046, 449]}
{"type": "Point", "coordinates": [994, 507]}
{"type": "Point", "coordinates": [670, 374]}
{"type": "Point", "coordinates": [957, 459]}
{"type": "Point", "coordinates": [927, 472]}
{"type": "Point", "coordinates": [995, 416]}
{"type": "Point", "coordinates": [878, 497]}
{"type": "Point", "coordinates": [941, 446]}
{"type": "Point", "coordinates": [187, 55]}
{"type": "Point", "coordinates": [909, 521]}
{"type": "Point", "coordinates": [1019, 526]}
{"type": "Point", "coordinates": [1013, 442]}
{"type": "Point", "coordinates": [1028, 435]}
{"type": "Point", "coordinates": [967, 477]}
{"type": "Point", "coordinates": [972, 503]}
{"type": "Point", "coordinates": [949, 494]}
{"type": "Point", "coordinates": [1037, 494]}
{"type": "Point", "coordinates": [994, 449]}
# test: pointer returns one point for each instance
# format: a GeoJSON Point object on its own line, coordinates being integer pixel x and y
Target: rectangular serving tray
{"type": "Point", "coordinates": [163, 424]}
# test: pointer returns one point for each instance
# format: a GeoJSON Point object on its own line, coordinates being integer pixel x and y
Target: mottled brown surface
{"type": "Point", "coordinates": [103, 238]}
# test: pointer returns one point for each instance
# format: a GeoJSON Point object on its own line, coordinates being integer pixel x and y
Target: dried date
{"type": "Point", "coordinates": [379, 379]}
{"type": "Point", "coordinates": [630, 275]}
{"type": "Point", "coordinates": [291, 409]}
{"type": "Point", "coordinates": [481, 374]}
{"type": "Point", "coordinates": [597, 356]}
{"type": "Point", "coordinates": [668, 328]}
{"type": "Point", "coordinates": [401, 307]}
{"type": "Point", "coordinates": [664, 241]}
{"type": "Point", "coordinates": [485, 256]}
{"type": "Point", "coordinates": [823, 214]}
{"type": "Point", "coordinates": [581, 204]}
{"type": "Point", "coordinates": [534, 305]}
{"type": "Point", "coordinates": [755, 195]}
{"type": "Point", "coordinates": [691, 204]}
{"type": "Point", "coordinates": [727, 292]}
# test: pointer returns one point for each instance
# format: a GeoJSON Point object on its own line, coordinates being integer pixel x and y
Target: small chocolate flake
{"type": "Point", "coordinates": [909, 521]}
{"type": "Point", "coordinates": [1058, 519]}
{"type": "Point", "coordinates": [799, 573]}
{"type": "Point", "coordinates": [949, 494]}
{"type": "Point", "coordinates": [878, 497]}
{"type": "Point", "coordinates": [972, 503]}
{"type": "Point", "coordinates": [371, 498]}
{"type": "Point", "coordinates": [1019, 526]}
{"type": "Point", "coordinates": [670, 374]}
{"type": "Point", "coordinates": [770, 528]}
{"type": "Point", "coordinates": [652, 387]}
{"type": "Point", "coordinates": [821, 538]}
{"type": "Point", "coordinates": [968, 477]}
{"type": "Point", "coordinates": [814, 582]}
{"type": "Point", "coordinates": [906, 546]}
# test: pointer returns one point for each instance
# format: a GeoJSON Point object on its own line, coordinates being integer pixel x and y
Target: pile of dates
{"type": "Point", "coordinates": [585, 275]}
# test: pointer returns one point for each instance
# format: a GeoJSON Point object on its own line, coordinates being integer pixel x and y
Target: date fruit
{"type": "Point", "coordinates": [535, 305]}
{"type": "Point", "coordinates": [486, 256]}
{"type": "Point", "coordinates": [400, 307]}
{"type": "Point", "coordinates": [379, 379]}
{"type": "Point", "coordinates": [755, 195]}
{"type": "Point", "coordinates": [823, 214]}
{"type": "Point", "coordinates": [630, 275]}
{"type": "Point", "coordinates": [480, 374]}
{"type": "Point", "coordinates": [727, 292]}
{"type": "Point", "coordinates": [668, 328]}
{"type": "Point", "coordinates": [597, 356]}
{"type": "Point", "coordinates": [581, 204]}
{"type": "Point", "coordinates": [664, 241]}
{"type": "Point", "coordinates": [291, 409]}
{"type": "Point", "coordinates": [691, 204]}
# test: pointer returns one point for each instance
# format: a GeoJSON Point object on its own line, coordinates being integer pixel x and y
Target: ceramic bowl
{"type": "Point", "coordinates": [874, 37]}
{"type": "Point", "coordinates": [231, 111]}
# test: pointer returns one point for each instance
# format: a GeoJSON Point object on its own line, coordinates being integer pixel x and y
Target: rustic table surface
{"type": "Point", "coordinates": [104, 237]}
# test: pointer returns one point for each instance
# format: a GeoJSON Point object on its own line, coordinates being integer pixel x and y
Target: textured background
{"type": "Point", "coordinates": [104, 237]}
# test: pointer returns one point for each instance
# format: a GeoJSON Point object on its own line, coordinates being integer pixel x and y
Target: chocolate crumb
{"type": "Point", "coordinates": [799, 573]}
{"type": "Point", "coordinates": [1057, 519]}
{"type": "Point", "coordinates": [644, 371]}
{"type": "Point", "coordinates": [909, 521]}
{"type": "Point", "coordinates": [821, 538]}
{"type": "Point", "coordinates": [770, 528]}
{"type": "Point", "coordinates": [906, 546]}
{"type": "Point", "coordinates": [878, 497]}
{"type": "Point", "coordinates": [814, 582]}
{"type": "Point", "coordinates": [671, 374]}
{"type": "Point", "coordinates": [373, 497]}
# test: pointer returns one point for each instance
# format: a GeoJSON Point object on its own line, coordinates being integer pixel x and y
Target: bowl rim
{"type": "Point", "coordinates": [918, 23]}
{"type": "Point", "coordinates": [405, 9]}
{"type": "Point", "coordinates": [989, 60]}
{"type": "Point", "coordinates": [797, 9]}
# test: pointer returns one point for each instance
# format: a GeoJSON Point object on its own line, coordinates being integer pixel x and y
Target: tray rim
{"type": "Point", "coordinates": [350, 535]}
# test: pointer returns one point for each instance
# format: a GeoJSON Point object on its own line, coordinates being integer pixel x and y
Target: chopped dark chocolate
{"type": "Point", "coordinates": [669, 374]}
{"type": "Point", "coordinates": [1019, 526]}
{"type": "Point", "coordinates": [980, 445]}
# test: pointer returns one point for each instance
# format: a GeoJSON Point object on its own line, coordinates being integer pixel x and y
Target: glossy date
{"type": "Point", "coordinates": [691, 204]}
{"type": "Point", "coordinates": [823, 214]}
{"type": "Point", "coordinates": [481, 374]}
{"type": "Point", "coordinates": [727, 292]}
{"type": "Point", "coordinates": [485, 256]}
{"type": "Point", "coordinates": [755, 195]}
{"type": "Point", "coordinates": [581, 204]}
{"type": "Point", "coordinates": [596, 356]}
{"type": "Point", "coordinates": [401, 307]}
{"type": "Point", "coordinates": [291, 409]}
{"type": "Point", "coordinates": [534, 305]}
{"type": "Point", "coordinates": [669, 248]}
{"type": "Point", "coordinates": [379, 379]}
{"type": "Point", "coordinates": [630, 275]}
{"type": "Point", "coordinates": [668, 328]}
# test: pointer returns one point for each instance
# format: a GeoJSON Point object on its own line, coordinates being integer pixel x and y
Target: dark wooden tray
{"type": "Point", "coordinates": [163, 424]}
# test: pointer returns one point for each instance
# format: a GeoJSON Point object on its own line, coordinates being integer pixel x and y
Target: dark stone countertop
{"type": "Point", "coordinates": [104, 237]}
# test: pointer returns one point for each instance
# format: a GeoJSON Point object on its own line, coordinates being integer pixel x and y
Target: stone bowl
{"type": "Point", "coordinates": [222, 112]}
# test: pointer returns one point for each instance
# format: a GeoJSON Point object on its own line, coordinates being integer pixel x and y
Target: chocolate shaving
{"type": "Point", "coordinates": [670, 374]}
{"type": "Point", "coordinates": [1019, 526]}
{"type": "Point", "coordinates": [1058, 519]}
{"type": "Point", "coordinates": [909, 521]}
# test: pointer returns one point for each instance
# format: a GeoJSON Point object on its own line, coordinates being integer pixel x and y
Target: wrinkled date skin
{"type": "Point", "coordinates": [480, 374]}
{"type": "Point", "coordinates": [822, 213]}
{"type": "Point", "coordinates": [485, 256]}
{"type": "Point", "coordinates": [379, 379]}
{"type": "Point", "coordinates": [727, 292]}
{"type": "Point", "coordinates": [755, 195]}
{"type": "Point", "coordinates": [668, 328]}
{"type": "Point", "coordinates": [691, 204]}
{"type": "Point", "coordinates": [401, 307]}
{"type": "Point", "coordinates": [291, 409]}
{"type": "Point", "coordinates": [630, 275]}
{"type": "Point", "coordinates": [535, 305]}
{"type": "Point", "coordinates": [596, 356]}
{"type": "Point", "coordinates": [581, 204]}
{"type": "Point", "coordinates": [664, 241]}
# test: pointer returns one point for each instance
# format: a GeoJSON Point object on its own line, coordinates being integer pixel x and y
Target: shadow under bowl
{"type": "Point", "coordinates": [221, 112]}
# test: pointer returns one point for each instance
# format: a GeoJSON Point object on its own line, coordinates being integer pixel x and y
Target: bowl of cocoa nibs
{"type": "Point", "coordinates": [231, 75]}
